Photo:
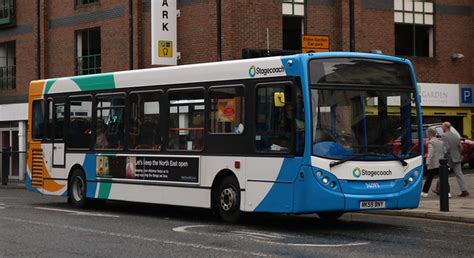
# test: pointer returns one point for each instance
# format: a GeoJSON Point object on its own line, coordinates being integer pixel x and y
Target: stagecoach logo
{"type": "Point", "coordinates": [252, 71]}
{"type": "Point", "coordinates": [358, 172]}
{"type": "Point", "coordinates": [255, 70]}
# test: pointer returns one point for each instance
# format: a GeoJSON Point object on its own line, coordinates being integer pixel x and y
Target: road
{"type": "Point", "coordinates": [42, 226]}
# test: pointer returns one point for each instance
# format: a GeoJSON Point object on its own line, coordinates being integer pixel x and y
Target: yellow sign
{"type": "Point", "coordinates": [315, 44]}
{"type": "Point", "coordinates": [165, 48]}
{"type": "Point", "coordinates": [226, 110]}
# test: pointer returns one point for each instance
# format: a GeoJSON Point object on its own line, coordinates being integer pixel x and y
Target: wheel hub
{"type": "Point", "coordinates": [78, 189]}
{"type": "Point", "coordinates": [228, 199]}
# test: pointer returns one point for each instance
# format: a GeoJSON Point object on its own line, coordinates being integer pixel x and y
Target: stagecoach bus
{"type": "Point", "coordinates": [323, 133]}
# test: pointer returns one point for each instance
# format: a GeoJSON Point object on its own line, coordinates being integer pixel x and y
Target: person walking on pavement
{"type": "Point", "coordinates": [435, 153]}
{"type": "Point", "coordinates": [452, 143]}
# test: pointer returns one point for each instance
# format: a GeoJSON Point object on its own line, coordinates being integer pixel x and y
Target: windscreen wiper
{"type": "Point", "coordinates": [339, 162]}
{"type": "Point", "coordinates": [383, 147]}
{"type": "Point", "coordinates": [402, 161]}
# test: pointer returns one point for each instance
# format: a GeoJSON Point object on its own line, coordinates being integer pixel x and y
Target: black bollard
{"type": "Point", "coordinates": [5, 165]}
{"type": "Point", "coordinates": [443, 185]}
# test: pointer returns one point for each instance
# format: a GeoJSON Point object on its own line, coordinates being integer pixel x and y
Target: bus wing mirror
{"type": "Point", "coordinates": [279, 99]}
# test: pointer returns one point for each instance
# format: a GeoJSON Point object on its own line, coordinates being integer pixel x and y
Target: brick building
{"type": "Point", "coordinates": [54, 38]}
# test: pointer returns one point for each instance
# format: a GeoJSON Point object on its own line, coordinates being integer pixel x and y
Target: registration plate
{"type": "Point", "coordinates": [372, 204]}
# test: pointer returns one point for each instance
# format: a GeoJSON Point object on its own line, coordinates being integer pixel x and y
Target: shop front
{"type": "Point", "coordinates": [13, 120]}
{"type": "Point", "coordinates": [448, 102]}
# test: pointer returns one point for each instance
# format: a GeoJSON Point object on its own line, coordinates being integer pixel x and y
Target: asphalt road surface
{"type": "Point", "coordinates": [41, 226]}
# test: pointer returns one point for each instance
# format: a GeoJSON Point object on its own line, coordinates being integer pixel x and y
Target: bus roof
{"type": "Point", "coordinates": [194, 73]}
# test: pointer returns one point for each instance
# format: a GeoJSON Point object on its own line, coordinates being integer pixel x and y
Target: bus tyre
{"type": "Point", "coordinates": [228, 200]}
{"type": "Point", "coordinates": [77, 189]}
{"type": "Point", "coordinates": [330, 216]}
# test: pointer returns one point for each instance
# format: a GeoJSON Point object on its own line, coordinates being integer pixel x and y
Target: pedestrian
{"type": "Point", "coordinates": [435, 153]}
{"type": "Point", "coordinates": [452, 143]}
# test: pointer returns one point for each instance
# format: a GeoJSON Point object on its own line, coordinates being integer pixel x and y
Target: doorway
{"type": "Point", "coordinates": [9, 139]}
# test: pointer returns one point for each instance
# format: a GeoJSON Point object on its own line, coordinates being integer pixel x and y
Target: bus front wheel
{"type": "Point", "coordinates": [77, 189]}
{"type": "Point", "coordinates": [228, 200]}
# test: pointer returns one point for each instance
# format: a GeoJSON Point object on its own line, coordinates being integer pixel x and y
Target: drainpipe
{"type": "Point", "coordinates": [352, 25]}
{"type": "Point", "coordinates": [219, 31]}
{"type": "Point", "coordinates": [130, 9]}
{"type": "Point", "coordinates": [38, 40]}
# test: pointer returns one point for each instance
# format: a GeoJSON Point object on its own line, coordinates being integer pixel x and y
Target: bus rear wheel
{"type": "Point", "coordinates": [227, 200]}
{"type": "Point", "coordinates": [77, 189]}
{"type": "Point", "coordinates": [330, 216]}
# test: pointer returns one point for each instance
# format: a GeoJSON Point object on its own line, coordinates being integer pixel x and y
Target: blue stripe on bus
{"type": "Point", "coordinates": [89, 167]}
{"type": "Point", "coordinates": [28, 185]}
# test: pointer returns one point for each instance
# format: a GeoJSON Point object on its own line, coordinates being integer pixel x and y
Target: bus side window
{"type": "Point", "coordinates": [80, 122]}
{"type": "Point", "coordinates": [227, 110]}
{"type": "Point", "coordinates": [186, 120]}
{"type": "Point", "coordinates": [38, 120]}
{"type": "Point", "coordinates": [144, 121]}
{"type": "Point", "coordinates": [49, 119]}
{"type": "Point", "coordinates": [109, 123]}
{"type": "Point", "coordinates": [58, 120]}
{"type": "Point", "coordinates": [273, 131]}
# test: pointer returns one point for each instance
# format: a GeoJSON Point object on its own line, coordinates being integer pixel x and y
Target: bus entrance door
{"type": "Point", "coordinates": [58, 154]}
{"type": "Point", "coordinates": [58, 139]}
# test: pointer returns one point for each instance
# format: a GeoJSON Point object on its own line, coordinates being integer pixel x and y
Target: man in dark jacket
{"type": "Point", "coordinates": [453, 145]}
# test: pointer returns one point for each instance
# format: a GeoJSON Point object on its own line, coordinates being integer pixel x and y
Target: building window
{"type": "Point", "coordinates": [88, 60]}
{"type": "Point", "coordinates": [293, 19]}
{"type": "Point", "coordinates": [7, 13]}
{"type": "Point", "coordinates": [7, 66]}
{"type": "Point", "coordinates": [414, 20]}
{"type": "Point", "coordinates": [292, 32]}
{"type": "Point", "coordinates": [82, 2]}
{"type": "Point", "coordinates": [293, 7]}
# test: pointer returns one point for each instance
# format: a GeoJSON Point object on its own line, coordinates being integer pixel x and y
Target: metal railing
{"type": "Point", "coordinates": [88, 64]}
{"type": "Point", "coordinates": [7, 11]}
{"type": "Point", "coordinates": [7, 77]}
{"type": "Point", "coordinates": [81, 2]}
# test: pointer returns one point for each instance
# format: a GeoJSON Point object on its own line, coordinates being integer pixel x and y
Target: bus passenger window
{"type": "Point", "coordinates": [38, 119]}
{"type": "Point", "coordinates": [58, 121]}
{"type": "Point", "coordinates": [227, 110]}
{"type": "Point", "coordinates": [109, 123]}
{"type": "Point", "coordinates": [144, 121]}
{"type": "Point", "coordinates": [80, 122]}
{"type": "Point", "coordinates": [186, 120]}
{"type": "Point", "coordinates": [273, 131]}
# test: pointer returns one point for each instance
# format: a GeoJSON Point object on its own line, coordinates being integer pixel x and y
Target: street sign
{"type": "Point", "coordinates": [164, 33]}
{"type": "Point", "coordinates": [165, 48]}
{"type": "Point", "coordinates": [314, 43]}
{"type": "Point", "coordinates": [466, 95]}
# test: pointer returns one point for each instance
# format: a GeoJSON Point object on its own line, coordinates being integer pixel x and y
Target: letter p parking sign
{"type": "Point", "coordinates": [466, 95]}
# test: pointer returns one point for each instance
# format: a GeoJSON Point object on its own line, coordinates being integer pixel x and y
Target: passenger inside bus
{"type": "Point", "coordinates": [101, 138]}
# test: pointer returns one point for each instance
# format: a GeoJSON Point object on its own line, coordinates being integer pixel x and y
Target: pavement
{"type": "Point", "coordinates": [461, 209]}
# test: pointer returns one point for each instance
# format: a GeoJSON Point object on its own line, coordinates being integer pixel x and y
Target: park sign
{"type": "Point", "coordinates": [314, 43]}
{"type": "Point", "coordinates": [163, 30]}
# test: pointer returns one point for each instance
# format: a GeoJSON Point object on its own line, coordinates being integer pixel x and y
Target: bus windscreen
{"type": "Point", "coordinates": [359, 71]}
